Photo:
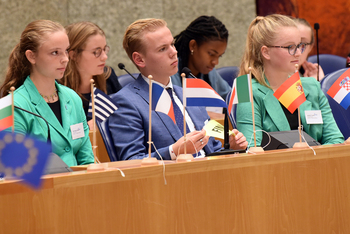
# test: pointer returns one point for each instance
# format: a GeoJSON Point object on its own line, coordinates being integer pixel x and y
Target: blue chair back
{"type": "Point", "coordinates": [341, 116]}
{"type": "Point", "coordinates": [329, 62]}
{"type": "Point", "coordinates": [126, 78]}
{"type": "Point", "coordinates": [228, 73]}
{"type": "Point", "coordinates": [107, 139]}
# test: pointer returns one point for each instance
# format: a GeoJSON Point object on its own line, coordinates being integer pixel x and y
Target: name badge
{"type": "Point", "coordinates": [77, 131]}
{"type": "Point", "coordinates": [313, 117]}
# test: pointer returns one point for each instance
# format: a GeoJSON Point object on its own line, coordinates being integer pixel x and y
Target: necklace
{"type": "Point", "coordinates": [50, 98]}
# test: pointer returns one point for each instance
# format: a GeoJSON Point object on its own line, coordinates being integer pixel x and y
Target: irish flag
{"type": "Point", "coordinates": [291, 93]}
{"type": "Point", "coordinates": [240, 91]}
{"type": "Point", "coordinates": [339, 92]}
{"type": "Point", "coordinates": [6, 119]}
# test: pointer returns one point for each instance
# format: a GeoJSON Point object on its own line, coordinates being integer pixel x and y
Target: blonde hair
{"type": "Point", "coordinates": [262, 31]}
{"type": "Point", "coordinates": [132, 41]}
{"type": "Point", "coordinates": [78, 33]}
{"type": "Point", "coordinates": [301, 21]}
{"type": "Point", "coordinates": [31, 39]}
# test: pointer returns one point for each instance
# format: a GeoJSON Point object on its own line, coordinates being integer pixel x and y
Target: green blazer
{"type": "Point", "coordinates": [72, 152]}
{"type": "Point", "coordinates": [269, 115]}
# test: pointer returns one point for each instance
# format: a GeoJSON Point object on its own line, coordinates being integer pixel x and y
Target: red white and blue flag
{"type": "Point", "coordinates": [161, 101]}
{"type": "Point", "coordinates": [200, 93]}
{"type": "Point", "coordinates": [339, 92]}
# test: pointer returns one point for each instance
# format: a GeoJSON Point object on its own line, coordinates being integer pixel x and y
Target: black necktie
{"type": "Point", "coordinates": [178, 114]}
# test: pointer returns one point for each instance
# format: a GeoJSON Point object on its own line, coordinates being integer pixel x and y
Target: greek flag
{"type": "Point", "coordinates": [104, 106]}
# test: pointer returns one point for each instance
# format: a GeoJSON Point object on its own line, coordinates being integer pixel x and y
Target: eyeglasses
{"type": "Point", "coordinates": [292, 49]}
{"type": "Point", "coordinates": [97, 52]}
{"type": "Point", "coordinates": [306, 44]}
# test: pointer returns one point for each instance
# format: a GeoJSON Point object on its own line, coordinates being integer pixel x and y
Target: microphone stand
{"type": "Point", "coordinates": [317, 27]}
{"type": "Point", "coordinates": [48, 127]}
{"type": "Point", "coordinates": [226, 149]}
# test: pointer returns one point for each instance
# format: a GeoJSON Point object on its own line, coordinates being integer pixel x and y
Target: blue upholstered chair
{"type": "Point", "coordinates": [341, 116]}
{"type": "Point", "coordinates": [126, 78]}
{"type": "Point", "coordinates": [107, 139]}
{"type": "Point", "coordinates": [228, 73]}
{"type": "Point", "coordinates": [329, 62]}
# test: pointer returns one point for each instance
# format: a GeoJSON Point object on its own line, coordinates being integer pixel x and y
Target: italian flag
{"type": "Point", "coordinates": [240, 91]}
{"type": "Point", "coordinates": [6, 115]}
{"type": "Point", "coordinates": [291, 93]}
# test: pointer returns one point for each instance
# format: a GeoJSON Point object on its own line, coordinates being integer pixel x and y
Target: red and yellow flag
{"type": "Point", "coordinates": [291, 93]}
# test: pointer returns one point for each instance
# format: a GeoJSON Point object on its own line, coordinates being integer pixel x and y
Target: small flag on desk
{"type": "Point", "coordinates": [291, 93]}
{"type": "Point", "coordinates": [200, 93]}
{"type": "Point", "coordinates": [6, 119]}
{"type": "Point", "coordinates": [23, 158]}
{"type": "Point", "coordinates": [161, 101]}
{"type": "Point", "coordinates": [241, 91]}
{"type": "Point", "coordinates": [339, 91]}
{"type": "Point", "coordinates": [104, 106]}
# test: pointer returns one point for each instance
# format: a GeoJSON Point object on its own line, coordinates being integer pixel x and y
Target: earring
{"type": "Point", "coordinates": [191, 52]}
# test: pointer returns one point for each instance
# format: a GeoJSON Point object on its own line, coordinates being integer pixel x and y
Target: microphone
{"type": "Point", "coordinates": [48, 128]}
{"type": "Point", "coordinates": [122, 67]}
{"type": "Point", "coordinates": [317, 27]}
{"type": "Point", "coordinates": [188, 72]}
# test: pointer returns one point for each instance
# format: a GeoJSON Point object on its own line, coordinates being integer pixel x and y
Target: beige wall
{"type": "Point", "coordinates": [113, 16]}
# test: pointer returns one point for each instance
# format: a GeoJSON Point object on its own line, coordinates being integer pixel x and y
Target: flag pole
{"type": "Point", "coordinates": [184, 109]}
{"type": "Point", "coordinates": [254, 149]}
{"type": "Point", "coordinates": [149, 160]}
{"type": "Point", "coordinates": [299, 121]}
{"type": "Point", "coordinates": [185, 156]}
{"type": "Point", "coordinates": [12, 90]}
{"type": "Point", "coordinates": [150, 117]}
{"type": "Point", "coordinates": [94, 146]}
{"type": "Point", "coordinates": [299, 144]}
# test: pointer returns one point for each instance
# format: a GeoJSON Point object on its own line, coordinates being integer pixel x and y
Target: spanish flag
{"type": "Point", "coordinates": [291, 93]}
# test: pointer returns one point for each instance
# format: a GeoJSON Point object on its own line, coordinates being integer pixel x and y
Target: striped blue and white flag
{"type": "Point", "coordinates": [104, 106]}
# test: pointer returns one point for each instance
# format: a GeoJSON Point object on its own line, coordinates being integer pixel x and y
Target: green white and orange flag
{"type": "Point", "coordinates": [6, 119]}
{"type": "Point", "coordinates": [241, 91]}
{"type": "Point", "coordinates": [291, 93]}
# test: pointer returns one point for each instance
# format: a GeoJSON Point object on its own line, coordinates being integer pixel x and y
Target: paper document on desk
{"type": "Point", "coordinates": [215, 129]}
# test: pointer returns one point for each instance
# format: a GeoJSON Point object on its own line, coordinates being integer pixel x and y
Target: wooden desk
{"type": "Point", "coordinates": [286, 191]}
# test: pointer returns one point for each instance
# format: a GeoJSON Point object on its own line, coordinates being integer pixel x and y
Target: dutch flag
{"type": "Point", "coordinates": [200, 93]}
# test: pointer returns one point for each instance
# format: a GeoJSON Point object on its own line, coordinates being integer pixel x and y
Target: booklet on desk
{"type": "Point", "coordinates": [285, 139]}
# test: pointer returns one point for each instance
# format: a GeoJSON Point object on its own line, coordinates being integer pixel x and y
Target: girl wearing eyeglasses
{"type": "Point", "coordinates": [36, 62]}
{"type": "Point", "coordinates": [88, 55]}
{"type": "Point", "coordinates": [272, 50]}
{"type": "Point", "coordinates": [307, 69]}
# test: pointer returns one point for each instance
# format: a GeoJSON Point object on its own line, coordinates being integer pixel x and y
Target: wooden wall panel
{"type": "Point", "coordinates": [333, 17]}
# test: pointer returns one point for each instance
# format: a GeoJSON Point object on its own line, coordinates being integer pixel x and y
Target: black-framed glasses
{"type": "Point", "coordinates": [292, 49]}
{"type": "Point", "coordinates": [306, 44]}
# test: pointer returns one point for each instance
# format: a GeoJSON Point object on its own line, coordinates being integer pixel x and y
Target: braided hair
{"type": "Point", "coordinates": [203, 29]}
